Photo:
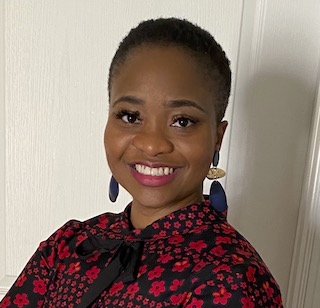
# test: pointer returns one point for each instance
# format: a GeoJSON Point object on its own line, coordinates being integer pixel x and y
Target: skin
{"type": "Point", "coordinates": [161, 113]}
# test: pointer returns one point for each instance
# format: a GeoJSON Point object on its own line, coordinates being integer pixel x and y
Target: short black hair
{"type": "Point", "coordinates": [181, 33]}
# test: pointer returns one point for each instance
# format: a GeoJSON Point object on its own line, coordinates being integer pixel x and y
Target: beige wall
{"type": "Point", "coordinates": [53, 70]}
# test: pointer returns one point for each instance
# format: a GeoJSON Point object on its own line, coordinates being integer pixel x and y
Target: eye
{"type": "Point", "coordinates": [183, 121]}
{"type": "Point", "coordinates": [127, 116]}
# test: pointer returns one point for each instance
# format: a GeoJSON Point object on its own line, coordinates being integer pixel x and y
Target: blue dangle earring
{"type": "Point", "coordinates": [217, 195]}
{"type": "Point", "coordinates": [113, 189]}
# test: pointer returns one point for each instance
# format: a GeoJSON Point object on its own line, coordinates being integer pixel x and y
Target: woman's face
{"type": "Point", "coordinates": [161, 132]}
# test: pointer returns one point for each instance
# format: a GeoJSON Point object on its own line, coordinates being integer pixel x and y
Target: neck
{"type": "Point", "coordinates": [142, 216]}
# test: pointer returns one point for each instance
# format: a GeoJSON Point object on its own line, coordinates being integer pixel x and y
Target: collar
{"type": "Point", "coordinates": [190, 219]}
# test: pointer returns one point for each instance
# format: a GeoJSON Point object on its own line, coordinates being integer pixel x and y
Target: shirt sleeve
{"type": "Point", "coordinates": [246, 286]}
{"type": "Point", "coordinates": [30, 288]}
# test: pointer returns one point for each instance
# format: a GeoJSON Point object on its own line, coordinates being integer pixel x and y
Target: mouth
{"type": "Point", "coordinates": [152, 175]}
{"type": "Point", "coordinates": [153, 171]}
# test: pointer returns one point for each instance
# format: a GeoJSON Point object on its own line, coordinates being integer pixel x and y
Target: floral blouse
{"type": "Point", "coordinates": [191, 258]}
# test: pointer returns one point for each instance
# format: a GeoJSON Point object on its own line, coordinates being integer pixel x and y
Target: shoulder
{"type": "Point", "coordinates": [234, 273]}
{"type": "Point", "coordinates": [63, 242]}
{"type": "Point", "coordinates": [74, 227]}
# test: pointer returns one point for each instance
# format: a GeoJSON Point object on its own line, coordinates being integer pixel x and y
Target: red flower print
{"type": "Point", "coordinates": [227, 229]}
{"type": "Point", "coordinates": [133, 289]}
{"type": "Point", "coordinates": [21, 300]}
{"type": "Point", "coordinates": [200, 229]}
{"type": "Point", "coordinates": [116, 287]}
{"type": "Point", "coordinates": [81, 238]}
{"type": "Point", "coordinates": [21, 280]}
{"type": "Point", "coordinates": [165, 258]}
{"type": "Point", "coordinates": [244, 253]}
{"type": "Point", "coordinates": [142, 270]}
{"type": "Point", "coordinates": [181, 266]}
{"type": "Point", "coordinates": [6, 302]}
{"type": "Point", "coordinates": [195, 303]}
{"type": "Point", "coordinates": [218, 251]}
{"type": "Point", "coordinates": [68, 232]}
{"type": "Point", "coordinates": [176, 283]}
{"type": "Point", "coordinates": [145, 301]}
{"type": "Point", "coordinates": [58, 235]}
{"type": "Point", "coordinates": [278, 300]}
{"type": "Point", "coordinates": [221, 297]}
{"type": "Point", "coordinates": [39, 303]}
{"type": "Point", "coordinates": [155, 225]}
{"type": "Point", "coordinates": [61, 267]}
{"type": "Point", "coordinates": [222, 267]}
{"type": "Point", "coordinates": [234, 287]}
{"type": "Point", "coordinates": [63, 250]}
{"type": "Point", "coordinates": [199, 266]}
{"type": "Point", "coordinates": [43, 245]}
{"type": "Point", "coordinates": [103, 220]}
{"type": "Point", "coordinates": [162, 233]}
{"type": "Point", "coordinates": [177, 224]}
{"type": "Point", "coordinates": [177, 239]}
{"type": "Point", "coordinates": [237, 259]}
{"type": "Point", "coordinates": [50, 259]}
{"type": "Point", "coordinates": [220, 276]}
{"type": "Point", "coordinates": [157, 287]}
{"type": "Point", "coordinates": [223, 239]}
{"type": "Point", "coordinates": [155, 273]}
{"type": "Point", "coordinates": [39, 287]}
{"type": "Point", "coordinates": [167, 224]}
{"type": "Point", "coordinates": [247, 302]}
{"type": "Point", "coordinates": [94, 257]}
{"type": "Point", "coordinates": [177, 299]}
{"type": "Point", "coordinates": [198, 245]}
{"type": "Point", "coordinates": [268, 289]}
{"type": "Point", "coordinates": [74, 267]}
{"type": "Point", "coordinates": [198, 290]}
{"type": "Point", "coordinates": [250, 274]}
{"type": "Point", "coordinates": [93, 272]}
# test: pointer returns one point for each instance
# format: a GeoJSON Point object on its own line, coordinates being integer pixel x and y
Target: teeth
{"type": "Point", "coordinates": [153, 171]}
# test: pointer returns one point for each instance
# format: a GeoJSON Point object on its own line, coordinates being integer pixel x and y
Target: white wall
{"type": "Point", "coordinates": [2, 149]}
{"type": "Point", "coordinates": [53, 70]}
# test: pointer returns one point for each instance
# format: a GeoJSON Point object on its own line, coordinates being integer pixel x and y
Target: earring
{"type": "Point", "coordinates": [217, 195]}
{"type": "Point", "coordinates": [113, 189]}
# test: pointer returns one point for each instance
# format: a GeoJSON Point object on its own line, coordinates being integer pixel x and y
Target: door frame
{"type": "Point", "coordinates": [305, 267]}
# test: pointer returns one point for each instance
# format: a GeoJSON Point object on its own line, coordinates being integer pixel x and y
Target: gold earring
{"type": "Point", "coordinates": [215, 173]}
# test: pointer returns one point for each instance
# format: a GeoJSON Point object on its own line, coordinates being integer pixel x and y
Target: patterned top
{"type": "Point", "coordinates": [190, 258]}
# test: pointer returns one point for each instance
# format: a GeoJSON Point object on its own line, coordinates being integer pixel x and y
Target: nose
{"type": "Point", "coordinates": [153, 142]}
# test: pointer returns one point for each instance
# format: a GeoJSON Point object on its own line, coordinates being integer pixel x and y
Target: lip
{"type": "Point", "coordinates": [153, 180]}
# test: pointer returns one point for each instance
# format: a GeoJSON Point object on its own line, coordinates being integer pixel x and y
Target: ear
{"type": "Point", "coordinates": [221, 128]}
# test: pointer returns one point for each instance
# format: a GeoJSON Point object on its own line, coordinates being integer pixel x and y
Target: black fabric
{"type": "Point", "coordinates": [124, 261]}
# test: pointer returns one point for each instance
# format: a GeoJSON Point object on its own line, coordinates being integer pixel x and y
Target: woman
{"type": "Point", "coordinates": [169, 84]}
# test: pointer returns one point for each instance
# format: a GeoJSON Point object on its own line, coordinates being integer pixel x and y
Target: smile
{"type": "Point", "coordinates": [153, 176]}
{"type": "Point", "coordinates": [160, 171]}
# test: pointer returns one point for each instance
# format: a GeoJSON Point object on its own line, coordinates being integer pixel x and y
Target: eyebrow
{"type": "Point", "coordinates": [176, 103]}
{"type": "Point", "coordinates": [129, 99]}
{"type": "Point", "coordinates": [184, 103]}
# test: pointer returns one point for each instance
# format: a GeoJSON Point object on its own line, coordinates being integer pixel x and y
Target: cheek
{"type": "Point", "coordinates": [200, 155]}
{"type": "Point", "coordinates": [112, 143]}
{"type": "Point", "coordinates": [116, 144]}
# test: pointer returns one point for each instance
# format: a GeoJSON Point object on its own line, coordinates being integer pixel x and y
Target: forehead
{"type": "Point", "coordinates": [166, 70]}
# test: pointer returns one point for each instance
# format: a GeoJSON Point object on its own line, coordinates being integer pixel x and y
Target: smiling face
{"type": "Point", "coordinates": [161, 132]}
